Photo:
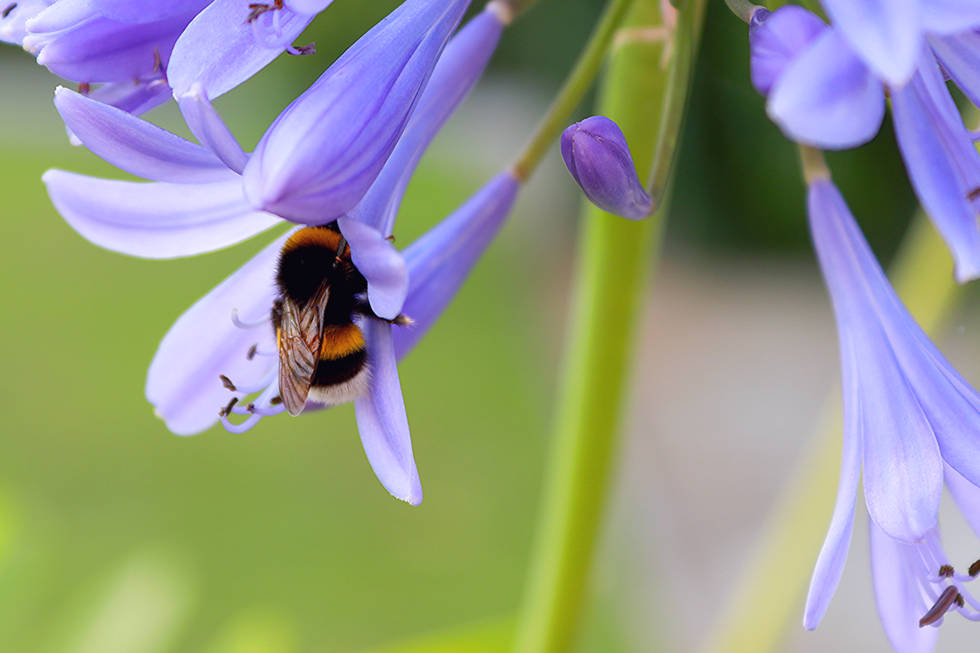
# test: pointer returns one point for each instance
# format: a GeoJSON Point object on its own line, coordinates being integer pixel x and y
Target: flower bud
{"type": "Point", "coordinates": [596, 153]}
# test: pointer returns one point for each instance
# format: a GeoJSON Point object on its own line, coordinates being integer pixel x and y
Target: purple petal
{"type": "Point", "coordinates": [308, 7]}
{"type": "Point", "coordinates": [442, 258]}
{"type": "Point", "coordinates": [943, 165]}
{"type": "Point", "coordinates": [833, 553]}
{"type": "Point", "coordinates": [183, 381]}
{"type": "Point", "coordinates": [102, 50]}
{"type": "Point", "coordinates": [966, 495]}
{"type": "Point", "coordinates": [776, 38]}
{"type": "Point", "coordinates": [949, 16]}
{"type": "Point", "coordinates": [133, 98]}
{"type": "Point", "coordinates": [382, 422]}
{"type": "Point", "coordinates": [219, 49]}
{"type": "Point", "coordinates": [13, 27]}
{"type": "Point", "coordinates": [208, 127]}
{"type": "Point", "coordinates": [156, 220]}
{"type": "Point", "coordinates": [130, 11]}
{"type": "Point", "coordinates": [380, 263]}
{"type": "Point", "coordinates": [885, 33]}
{"type": "Point", "coordinates": [61, 15]}
{"type": "Point", "coordinates": [323, 152]}
{"type": "Point", "coordinates": [460, 66]}
{"type": "Point", "coordinates": [901, 460]}
{"type": "Point", "coordinates": [826, 97]}
{"type": "Point", "coordinates": [900, 605]}
{"type": "Point", "coordinates": [960, 57]}
{"type": "Point", "coordinates": [134, 145]}
{"type": "Point", "coordinates": [597, 156]}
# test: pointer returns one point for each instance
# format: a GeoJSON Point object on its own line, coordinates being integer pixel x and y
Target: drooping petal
{"type": "Point", "coordinates": [442, 258]}
{"type": "Point", "coordinates": [134, 145]}
{"type": "Point", "coordinates": [833, 553]}
{"type": "Point", "coordinates": [382, 422]}
{"type": "Point", "coordinates": [960, 57]}
{"type": "Point", "coordinates": [949, 16]}
{"type": "Point", "coordinates": [208, 127]}
{"type": "Point", "coordinates": [897, 595]}
{"type": "Point", "coordinates": [380, 263]}
{"type": "Point", "coordinates": [323, 152]}
{"type": "Point", "coordinates": [901, 459]}
{"type": "Point", "coordinates": [778, 37]}
{"type": "Point", "coordinates": [886, 33]}
{"type": "Point", "coordinates": [219, 49]}
{"type": "Point", "coordinates": [826, 97]}
{"type": "Point", "coordinates": [943, 165]}
{"type": "Point", "coordinates": [599, 159]}
{"type": "Point", "coordinates": [128, 11]}
{"type": "Point", "coordinates": [104, 50]}
{"type": "Point", "coordinates": [460, 66]}
{"type": "Point", "coordinates": [156, 220]}
{"type": "Point", "coordinates": [183, 381]}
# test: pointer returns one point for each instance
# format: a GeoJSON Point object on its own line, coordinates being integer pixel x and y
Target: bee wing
{"type": "Point", "coordinates": [299, 336]}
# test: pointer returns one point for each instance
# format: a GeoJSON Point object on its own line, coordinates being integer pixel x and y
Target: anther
{"type": "Point", "coordinates": [227, 409]}
{"type": "Point", "coordinates": [84, 88]}
{"type": "Point", "coordinates": [258, 9]}
{"type": "Point", "coordinates": [403, 320]}
{"type": "Point", "coordinates": [225, 381]}
{"type": "Point", "coordinates": [251, 351]}
{"type": "Point", "coordinates": [946, 571]}
{"type": "Point", "coordinates": [974, 569]}
{"type": "Point", "coordinates": [157, 61]}
{"type": "Point", "coordinates": [942, 605]}
{"type": "Point", "coordinates": [275, 401]}
{"type": "Point", "coordinates": [302, 50]}
{"type": "Point", "coordinates": [250, 407]}
{"type": "Point", "coordinates": [8, 9]}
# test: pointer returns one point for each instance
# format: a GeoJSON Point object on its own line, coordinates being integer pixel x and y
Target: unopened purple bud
{"type": "Point", "coordinates": [596, 153]}
{"type": "Point", "coordinates": [325, 150]}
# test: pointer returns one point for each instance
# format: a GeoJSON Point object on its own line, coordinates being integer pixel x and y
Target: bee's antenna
{"type": "Point", "coordinates": [341, 246]}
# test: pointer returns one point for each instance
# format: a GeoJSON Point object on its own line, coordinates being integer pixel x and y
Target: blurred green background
{"type": "Point", "coordinates": [116, 535]}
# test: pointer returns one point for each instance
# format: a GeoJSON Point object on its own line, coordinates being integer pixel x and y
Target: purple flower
{"type": "Point", "coordinates": [597, 156]}
{"type": "Point", "coordinates": [323, 152]}
{"type": "Point", "coordinates": [908, 418]}
{"type": "Point", "coordinates": [889, 34]}
{"type": "Point", "coordinates": [198, 205]}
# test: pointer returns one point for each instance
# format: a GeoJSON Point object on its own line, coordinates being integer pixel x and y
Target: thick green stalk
{"type": "Point", "coordinates": [579, 81]}
{"type": "Point", "coordinates": [614, 265]}
{"type": "Point", "coordinates": [768, 599]}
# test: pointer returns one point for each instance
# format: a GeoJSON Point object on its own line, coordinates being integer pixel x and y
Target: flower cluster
{"type": "Point", "coordinates": [340, 154]}
{"type": "Point", "coordinates": [912, 423]}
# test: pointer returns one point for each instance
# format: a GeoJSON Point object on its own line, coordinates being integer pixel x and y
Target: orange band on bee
{"type": "Point", "coordinates": [340, 340]}
{"type": "Point", "coordinates": [314, 237]}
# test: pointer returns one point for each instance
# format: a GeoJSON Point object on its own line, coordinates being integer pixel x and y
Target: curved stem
{"type": "Point", "coordinates": [769, 595]}
{"type": "Point", "coordinates": [615, 259]}
{"type": "Point", "coordinates": [576, 85]}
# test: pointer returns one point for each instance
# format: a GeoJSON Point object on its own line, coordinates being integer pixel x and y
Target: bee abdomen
{"type": "Point", "coordinates": [335, 371]}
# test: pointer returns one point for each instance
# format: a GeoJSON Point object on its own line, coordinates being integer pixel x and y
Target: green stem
{"type": "Point", "coordinates": [769, 596]}
{"type": "Point", "coordinates": [615, 259]}
{"type": "Point", "coordinates": [577, 84]}
{"type": "Point", "coordinates": [742, 8]}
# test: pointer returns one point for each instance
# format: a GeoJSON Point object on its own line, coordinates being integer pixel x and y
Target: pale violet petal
{"type": "Point", "coordinates": [134, 145]}
{"type": "Point", "coordinates": [183, 381]}
{"type": "Point", "coordinates": [156, 220]}
{"type": "Point", "coordinates": [382, 422]}
{"type": "Point", "coordinates": [960, 56]}
{"type": "Point", "coordinates": [826, 97]}
{"type": "Point", "coordinates": [380, 263]}
{"type": "Point", "coordinates": [219, 49]}
{"type": "Point", "coordinates": [128, 11]}
{"type": "Point", "coordinates": [208, 127]}
{"type": "Point", "coordinates": [966, 495]}
{"type": "Point", "coordinates": [308, 7]}
{"type": "Point", "coordinates": [778, 37]}
{"type": "Point", "coordinates": [949, 16]}
{"type": "Point", "coordinates": [886, 33]}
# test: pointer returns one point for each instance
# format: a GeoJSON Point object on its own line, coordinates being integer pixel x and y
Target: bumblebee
{"type": "Point", "coordinates": [322, 354]}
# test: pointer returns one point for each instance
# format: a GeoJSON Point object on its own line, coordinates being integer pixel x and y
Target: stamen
{"type": "Point", "coordinates": [241, 324]}
{"type": "Point", "coordinates": [260, 385]}
{"type": "Point", "coordinates": [275, 401]}
{"type": "Point", "coordinates": [973, 194]}
{"type": "Point", "coordinates": [941, 607]}
{"type": "Point", "coordinates": [225, 381]}
{"type": "Point", "coordinates": [9, 8]}
{"type": "Point", "coordinates": [946, 571]}
{"type": "Point", "coordinates": [227, 409]}
{"type": "Point", "coordinates": [157, 61]}
{"type": "Point", "coordinates": [252, 351]}
{"type": "Point", "coordinates": [302, 50]}
{"type": "Point", "coordinates": [974, 569]}
{"type": "Point", "coordinates": [257, 9]}
{"type": "Point", "coordinates": [84, 88]}
{"type": "Point", "coordinates": [238, 429]}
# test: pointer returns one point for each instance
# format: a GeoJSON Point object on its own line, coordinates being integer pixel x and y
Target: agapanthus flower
{"type": "Point", "coordinates": [134, 50]}
{"type": "Point", "coordinates": [820, 93]}
{"type": "Point", "coordinates": [198, 205]}
{"type": "Point", "coordinates": [598, 158]}
{"type": "Point", "coordinates": [909, 420]}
